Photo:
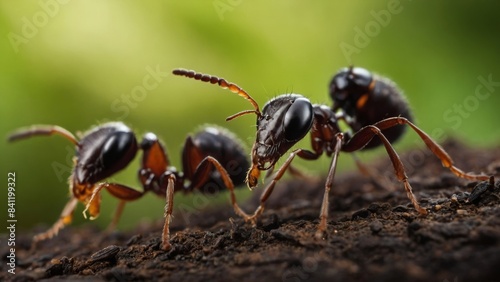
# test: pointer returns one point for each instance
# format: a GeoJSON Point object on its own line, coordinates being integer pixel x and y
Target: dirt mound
{"type": "Point", "coordinates": [374, 234]}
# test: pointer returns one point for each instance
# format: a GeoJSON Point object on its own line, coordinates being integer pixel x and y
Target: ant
{"type": "Point", "coordinates": [371, 106]}
{"type": "Point", "coordinates": [110, 147]}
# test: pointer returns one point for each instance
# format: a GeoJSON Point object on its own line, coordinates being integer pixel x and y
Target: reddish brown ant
{"type": "Point", "coordinates": [108, 148]}
{"type": "Point", "coordinates": [371, 106]}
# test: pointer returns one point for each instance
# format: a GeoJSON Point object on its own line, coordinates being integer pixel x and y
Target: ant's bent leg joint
{"type": "Point", "coordinates": [402, 120]}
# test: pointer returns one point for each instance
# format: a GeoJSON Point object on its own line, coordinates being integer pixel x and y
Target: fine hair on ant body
{"type": "Point", "coordinates": [106, 149]}
{"type": "Point", "coordinates": [371, 106]}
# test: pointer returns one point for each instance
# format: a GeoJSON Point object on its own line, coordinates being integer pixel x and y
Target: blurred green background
{"type": "Point", "coordinates": [80, 63]}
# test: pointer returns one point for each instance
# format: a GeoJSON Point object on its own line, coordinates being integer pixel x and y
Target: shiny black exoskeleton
{"type": "Point", "coordinates": [285, 120]}
{"type": "Point", "coordinates": [212, 159]}
{"type": "Point", "coordinates": [103, 151]}
{"type": "Point", "coordinates": [221, 145]}
{"type": "Point", "coordinates": [366, 98]}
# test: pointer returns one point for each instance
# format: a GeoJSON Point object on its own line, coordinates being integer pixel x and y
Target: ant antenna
{"type": "Point", "coordinates": [36, 130]}
{"type": "Point", "coordinates": [223, 84]}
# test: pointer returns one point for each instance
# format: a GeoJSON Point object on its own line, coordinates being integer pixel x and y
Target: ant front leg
{"type": "Point", "coordinates": [305, 154]}
{"type": "Point", "coordinates": [64, 219]}
{"type": "Point", "coordinates": [79, 193]}
{"type": "Point", "coordinates": [328, 185]}
{"type": "Point", "coordinates": [270, 187]}
{"type": "Point", "coordinates": [119, 191]}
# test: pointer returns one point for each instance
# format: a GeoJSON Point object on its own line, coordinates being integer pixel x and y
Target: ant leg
{"type": "Point", "coordinates": [125, 194]}
{"type": "Point", "coordinates": [122, 192]}
{"type": "Point", "coordinates": [270, 187]}
{"type": "Point", "coordinates": [64, 219]}
{"type": "Point", "coordinates": [35, 130]}
{"type": "Point", "coordinates": [93, 203]}
{"type": "Point", "coordinates": [365, 135]}
{"type": "Point", "coordinates": [432, 145]}
{"type": "Point", "coordinates": [202, 173]}
{"type": "Point", "coordinates": [328, 185]}
{"type": "Point", "coordinates": [169, 206]}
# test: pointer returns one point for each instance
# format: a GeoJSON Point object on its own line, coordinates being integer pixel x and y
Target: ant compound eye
{"type": "Point", "coordinates": [298, 119]}
{"type": "Point", "coordinates": [120, 147]}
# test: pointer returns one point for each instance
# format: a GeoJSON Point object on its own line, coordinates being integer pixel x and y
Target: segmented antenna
{"type": "Point", "coordinates": [225, 85]}
{"type": "Point", "coordinates": [36, 130]}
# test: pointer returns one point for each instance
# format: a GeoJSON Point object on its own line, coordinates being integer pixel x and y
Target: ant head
{"type": "Point", "coordinates": [104, 151]}
{"type": "Point", "coordinates": [285, 120]}
{"type": "Point", "coordinates": [349, 86]}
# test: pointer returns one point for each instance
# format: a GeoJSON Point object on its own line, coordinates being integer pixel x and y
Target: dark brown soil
{"type": "Point", "coordinates": [374, 234]}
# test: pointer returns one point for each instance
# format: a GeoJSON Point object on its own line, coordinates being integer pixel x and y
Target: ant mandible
{"type": "Point", "coordinates": [370, 106]}
{"type": "Point", "coordinates": [110, 147]}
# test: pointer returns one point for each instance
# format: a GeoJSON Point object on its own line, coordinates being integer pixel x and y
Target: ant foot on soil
{"type": "Point", "coordinates": [480, 189]}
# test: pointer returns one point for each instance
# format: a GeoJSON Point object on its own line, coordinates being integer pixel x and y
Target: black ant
{"type": "Point", "coordinates": [369, 105]}
{"type": "Point", "coordinates": [110, 147]}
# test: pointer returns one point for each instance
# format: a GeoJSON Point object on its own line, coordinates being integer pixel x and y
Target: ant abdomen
{"type": "Point", "coordinates": [366, 98]}
{"type": "Point", "coordinates": [222, 145]}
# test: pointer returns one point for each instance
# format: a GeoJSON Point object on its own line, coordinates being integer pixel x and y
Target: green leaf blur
{"type": "Point", "coordinates": [80, 63]}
